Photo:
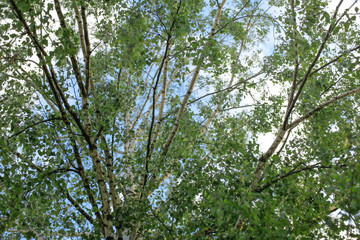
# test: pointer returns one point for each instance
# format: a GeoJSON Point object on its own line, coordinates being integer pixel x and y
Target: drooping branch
{"type": "Point", "coordinates": [32, 125]}
{"type": "Point", "coordinates": [334, 60]}
{"type": "Point", "coordinates": [68, 196]}
{"type": "Point", "coordinates": [229, 88]}
{"type": "Point", "coordinates": [321, 106]}
{"type": "Point", "coordinates": [55, 234]}
{"type": "Point", "coordinates": [19, 155]}
{"type": "Point", "coordinates": [295, 170]}
{"type": "Point", "coordinates": [28, 79]}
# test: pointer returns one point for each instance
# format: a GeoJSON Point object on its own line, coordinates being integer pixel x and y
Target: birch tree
{"type": "Point", "coordinates": [143, 119]}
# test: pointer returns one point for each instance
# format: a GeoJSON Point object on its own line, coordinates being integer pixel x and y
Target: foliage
{"type": "Point", "coordinates": [141, 119]}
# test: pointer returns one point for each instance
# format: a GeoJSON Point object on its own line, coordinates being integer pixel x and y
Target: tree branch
{"type": "Point", "coordinates": [334, 60]}
{"type": "Point", "coordinates": [74, 62]}
{"type": "Point", "coordinates": [294, 171]}
{"type": "Point", "coordinates": [312, 65]}
{"type": "Point", "coordinates": [321, 106]}
{"type": "Point", "coordinates": [55, 234]}
{"type": "Point", "coordinates": [32, 125]}
{"type": "Point", "coordinates": [227, 89]}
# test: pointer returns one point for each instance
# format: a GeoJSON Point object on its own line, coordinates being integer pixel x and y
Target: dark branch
{"type": "Point", "coordinates": [32, 125]}
{"type": "Point", "coordinates": [294, 171]}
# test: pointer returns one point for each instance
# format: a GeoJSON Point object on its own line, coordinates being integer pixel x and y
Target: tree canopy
{"type": "Point", "coordinates": [141, 119]}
